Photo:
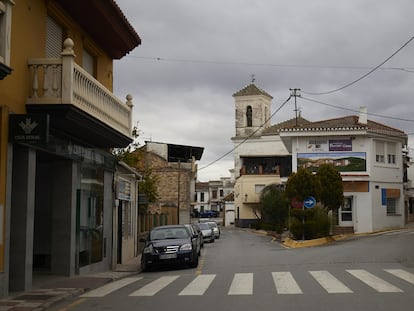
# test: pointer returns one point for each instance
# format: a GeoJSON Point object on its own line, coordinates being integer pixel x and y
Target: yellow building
{"type": "Point", "coordinates": [58, 121]}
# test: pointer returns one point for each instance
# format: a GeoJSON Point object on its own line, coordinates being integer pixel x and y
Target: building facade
{"type": "Point", "coordinates": [59, 121]}
{"type": "Point", "coordinates": [125, 215]}
{"type": "Point", "coordinates": [369, 156]}
{"type": "Point", "coordinates": [174, 168]}
{"type": "Point", "coordinates": [260, 156]}
{"type": "Point", "coordinates": [210, 195]}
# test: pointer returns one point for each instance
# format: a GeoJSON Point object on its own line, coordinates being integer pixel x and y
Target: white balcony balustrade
{"type": "Point", "coordinates": [62, 81]}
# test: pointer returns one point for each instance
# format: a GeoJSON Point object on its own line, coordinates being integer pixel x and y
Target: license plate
{"type": "Point", "coordinates": [168, 256]}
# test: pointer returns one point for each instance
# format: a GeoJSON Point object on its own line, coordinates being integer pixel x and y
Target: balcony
{"type": "Point", "coordinates": [78, 105]}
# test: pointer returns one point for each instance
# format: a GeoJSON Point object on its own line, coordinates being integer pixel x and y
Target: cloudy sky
{"type": "Point", "coordinates": [195, 54]}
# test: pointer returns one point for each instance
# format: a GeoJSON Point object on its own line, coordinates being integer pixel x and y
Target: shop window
{"type": "Point", "coordinates": [90, 216]}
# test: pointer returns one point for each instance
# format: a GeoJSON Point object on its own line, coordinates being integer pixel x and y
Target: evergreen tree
{"type": "Point", "coordinates": [275, 208]}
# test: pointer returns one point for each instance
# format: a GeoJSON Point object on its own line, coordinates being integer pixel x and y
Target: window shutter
{"type": "Point", "coordinates": [54, 38]}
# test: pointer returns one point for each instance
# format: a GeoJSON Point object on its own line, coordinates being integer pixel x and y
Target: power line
{"type": "Point", "coordinates": [363, 76]}
{"type": "Point", "coordinates": [237, 63]}
{"type": "Point", "coordinates": [244, 140]}
{"type": "Point", "coordinates": [354, 110]}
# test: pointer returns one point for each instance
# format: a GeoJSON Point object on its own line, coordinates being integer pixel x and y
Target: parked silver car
{"type": "Point", "coordinates": [206, 231]}
{"type": "Point", "coordinates": [216, 229]}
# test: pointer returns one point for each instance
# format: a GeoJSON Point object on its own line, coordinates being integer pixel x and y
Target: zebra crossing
{"type": "Point", "coordinates": [243, 283]}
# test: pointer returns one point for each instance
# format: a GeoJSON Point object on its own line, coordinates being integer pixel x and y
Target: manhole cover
{"type": "Point", "coordinates": [33, 297]}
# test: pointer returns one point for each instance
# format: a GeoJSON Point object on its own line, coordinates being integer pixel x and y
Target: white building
{"type": "Point", "coordinates": [368, 155]}
{"type": "Point", "coordinates": [210, 195]}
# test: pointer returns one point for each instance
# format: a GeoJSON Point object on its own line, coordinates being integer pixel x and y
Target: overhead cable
{"type": "Point", "coordinates": [245, 139]}
{"type": "Point", "coordinates": [363, 76]}
{"type": "Point", "coordinates": [354, 110]}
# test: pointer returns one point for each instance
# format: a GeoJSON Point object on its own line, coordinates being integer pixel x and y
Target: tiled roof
{"type": "Point", "coordinates": [342, 123]}
{"type": "Point", "coordinates": [251, 89]}
{"type": "Point", "coordinates": [292, 123]}
{"type": "Point", "coordinates": [229, 197]}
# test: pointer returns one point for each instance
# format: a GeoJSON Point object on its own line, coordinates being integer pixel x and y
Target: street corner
{"type": "Point", "coordinates": [290, 243]}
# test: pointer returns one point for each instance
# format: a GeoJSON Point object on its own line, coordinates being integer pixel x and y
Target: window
{"type": "Point", "coordinates": [391, 153]}
{"type": "Point", "coordinates": [259, 188]}
{"type": "Point", "coordinates": [391, 206]}
{"type": "Point", "coordinates": [214, 194]}
{"type": "Point", "coordinates": [88, 62]}
{"type": "Point", "coordinates": [221, 193]}
{"type": "Point", "coordinates": [5, 31]}
{"type": "Point", "coordinates": [54, 38]}
{"type": "Point", "coordinates": [249, 114]}
{"type": "Point", "coordinates": [379, 152]}
{"type": "Point", "coordinates": [2, 28]}
{"type": "Point", "coordinates": [202, 197]}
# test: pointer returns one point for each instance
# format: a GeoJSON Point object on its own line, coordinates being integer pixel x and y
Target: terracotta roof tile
{"type": "Point", "coordinates": [348, 122]}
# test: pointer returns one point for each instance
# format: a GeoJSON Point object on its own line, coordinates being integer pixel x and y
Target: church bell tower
{"type": "Point", "coordinates": [252, 106]}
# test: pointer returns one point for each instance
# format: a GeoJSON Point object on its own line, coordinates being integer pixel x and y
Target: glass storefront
{"type": "Point", "coordinates": [90, 216]}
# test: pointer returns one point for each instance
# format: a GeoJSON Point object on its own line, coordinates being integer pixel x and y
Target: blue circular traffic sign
{"type": "Point", "coordinates": [309, 202]}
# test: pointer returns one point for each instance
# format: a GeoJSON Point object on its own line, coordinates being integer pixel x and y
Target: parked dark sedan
{"type": "Point", "coordinates": [172, 244]}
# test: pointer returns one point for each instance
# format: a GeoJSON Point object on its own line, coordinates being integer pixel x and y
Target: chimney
{"type": "Point", "coordinates": [363, 115]}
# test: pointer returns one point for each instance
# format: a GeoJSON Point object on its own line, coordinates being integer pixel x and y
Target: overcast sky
{"type": "Point", "coordinates": [195, 54]}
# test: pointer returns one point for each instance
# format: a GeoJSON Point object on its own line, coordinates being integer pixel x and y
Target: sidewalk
{"type": "Point", "coordinates": [50, 290]}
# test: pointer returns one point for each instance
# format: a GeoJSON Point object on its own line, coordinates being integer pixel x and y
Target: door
{"type": "Point", "coordinates": [346, 213]}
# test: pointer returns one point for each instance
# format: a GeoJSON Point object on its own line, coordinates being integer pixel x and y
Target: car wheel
{"type": "Point", "coordinates": [194, 263]}
{"type": "Point", "coordinates": [144, 266]}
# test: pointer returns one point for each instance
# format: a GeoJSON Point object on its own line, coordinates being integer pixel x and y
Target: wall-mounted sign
{"type": "Point", "coordinates": [343, 161]}
{"type": "Point", "coordinates": [28, 128]}
{"type": "Point", "coordinates": [317, 145]}
{"type": "Point", "coordinates": [340, 145]}
{"type": "Point", "coordinates": [124, 190]}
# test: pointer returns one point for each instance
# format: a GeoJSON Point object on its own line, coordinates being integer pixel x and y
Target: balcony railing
{"type": "Point", "coordinates": [62, 81]}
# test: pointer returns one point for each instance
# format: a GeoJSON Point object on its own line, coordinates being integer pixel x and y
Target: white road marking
{"type": "Point", "coordinates": [198, 286]}
{"type": "Point", "coordinates": [111, 287]}
{"type": "Point", "coordinates": [331, 284]}
{"type": "Point", "coordinates": [402, 274]}
{"type": "Point", "coordinates": [285, 283]}
{"type": "Point", "coordinates": [242, 284]}
{"type": "Point", "coordinates": [375, 282]}
{"type": "Point", "coordinates": [155, 286]}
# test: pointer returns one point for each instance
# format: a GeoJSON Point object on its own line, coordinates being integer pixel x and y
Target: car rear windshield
{"type": "Point", "coordinates": [169, 233]}
{"type": "Point", "coordinates": [204, 226]}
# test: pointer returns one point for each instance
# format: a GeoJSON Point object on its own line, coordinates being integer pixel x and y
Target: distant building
{"type": "Point", "coordinates": [175, 169]}
{"type": "Point", "coordinates": [261, 158]}
{"type": "Point", "coordinates": [210, 195]}
{"type": "Point", "coordinates": [368, 154]}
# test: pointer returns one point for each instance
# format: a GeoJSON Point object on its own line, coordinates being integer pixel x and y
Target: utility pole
{"type": "Point", "coordinates": [294, 93]}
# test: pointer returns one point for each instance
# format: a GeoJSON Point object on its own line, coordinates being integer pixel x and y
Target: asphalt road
{"type": "Point", "coordinates": [244, 271]}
